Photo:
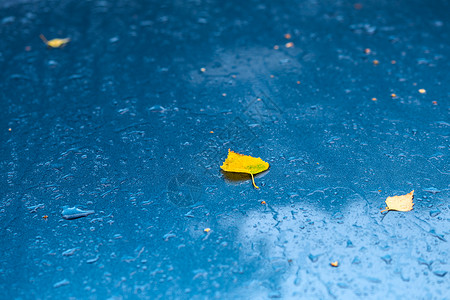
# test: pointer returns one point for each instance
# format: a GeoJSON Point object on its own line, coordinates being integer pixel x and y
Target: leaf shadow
{"type": "Point", "coordinates": [237, 178]}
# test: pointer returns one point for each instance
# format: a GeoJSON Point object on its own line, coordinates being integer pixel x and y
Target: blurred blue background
{"type": "Point", "coordinates": [127, 125]}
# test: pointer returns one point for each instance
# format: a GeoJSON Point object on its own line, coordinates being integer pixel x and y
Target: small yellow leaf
{"type": "Point", "coordinates": [55, 43]}
{"type": "Point", "coordinates": [400, 203]}
{"type": "Point", "coordinates": [334, 264]}
{"type": "Point", "coordinates": [240, 163]}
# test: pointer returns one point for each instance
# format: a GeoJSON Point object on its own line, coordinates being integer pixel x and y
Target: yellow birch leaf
{"type": "Point", "coordinates": [400, 203]}
{"type": "Point", "coordinates": [240, 163]}
{"type": "Point", "coordinates": [55, 43]}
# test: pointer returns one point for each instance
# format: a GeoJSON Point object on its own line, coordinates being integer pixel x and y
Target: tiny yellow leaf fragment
{"type": "Point", "coordinates": [207, 230]}
{"type": "Point", "coordinates": [334, 264]}
{"type": "Point", "coordinates": [400, 203]}
{"type": "Point", "coordinates": [55, 43]}
{"type": "Point", "coordinates": [239, 163]}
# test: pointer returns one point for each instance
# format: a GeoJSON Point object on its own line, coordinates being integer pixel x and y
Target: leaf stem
{"type": "Point", "coordinates": [253, 181]}
{"type": "Point", "coordinates": [43, 39]}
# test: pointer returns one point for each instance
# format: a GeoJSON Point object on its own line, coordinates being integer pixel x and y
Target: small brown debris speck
{"type": "Point", "coordinates": [234, 76]}
{"type": "Point", "coordinates": [202, 70]}
{"type": "Point", "coordinates": [9, 129]}
{"type": "Point", "coordinates": [289, 45]}
{"type": "Point", "coordinates": [287, 36]}
{"type": "Point", "coordinates": [263, 202]}
{"type": "Point", "coordinates": [393, 62]}
{"type": "Point", "coordinates": [422, 91]}
{"type": "Point", "coordinates": [271, 76]}
{"type": "Point", "coordinates": [357, 6]}
{"type": "Point", "coordinates": [376, 62]}
{"type": "Point", "coordinates": [28, 48]}
{"type": "Point", "coordinates": [393, 95]}
{"type": "Point", "coordinates": [276, 47]}
{"type": "Point", "coordinates": [45, 217]}
{"type": "Point", "coordinates": [298, 82]}
{"type": "Point", "coordinates": [334, 264]}
{"type": "Point", "coordinates": [367, 51]}
{"type": "Point", "coordinates": [374, 99]}
{"type": "Point", "coordinates": [434, 102]}
{"type": "Point", "coordinates": [211, 131]}
{"type": "Point", "coordinates": [224, 94]}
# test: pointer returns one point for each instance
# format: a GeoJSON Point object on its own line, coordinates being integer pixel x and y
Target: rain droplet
{"type": "Point", "coordinates": [356, 261]}
{"type": "Point", "coordinates": [157, 108]}
{"type": "Point", "coordinates": [75, 212]}
{"type": "Point", "coordinates": [93, 260]}
{"type": "Point", "coordinates": [61, 283]}
{"type": "Point", "coordinates": [70, 252]}
{"type": "Point", "coordinates": [435, 212]}
{"type": "Point", "coordinates": [440, 273]}
{"type": "Point", "coordinates": [313, 258]}
{"type": "Point", "coordinates": [34, 208]}
{"type": "Point", "coordinates": [432, 190]}
{"type": "Point", "coordinates": [167, 236]}
{"type": "Point", "coordinates": [387, 259]}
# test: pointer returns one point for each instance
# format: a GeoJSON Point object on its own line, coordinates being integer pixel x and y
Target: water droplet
{"type": "Point", "coordinates": [61, 283]}
{"type": "Point", "coordinates": [93, 260]}
{"type": "Point", "coordinates": [439, 236]}
{"type": "Point", "coordinates": [157, 108]}
{"type": "Point", "coordinates": [435, 212]}
{"type": "Point", "coordinates": [70, 252]}
{"type": "Point", "coordinates": [387, 259]}
{"type": "Point", "coordinates": [34, 208]}
{"type": "Point", "coordinates": [356, 261]}
{"type": "Point", "coordinates": [422, 261]}
{"type": "Point", "coordinates": [9, 19]}
{"type": "Point", "coordinates": [440, 273]}
{"type": "Point", "coordinates": [432, 190]}
{"type": "Point", "coordinates": [167, 236]}
{"type": "Point", "coordinates": [75, 212]}
{"type": "Point", "coordinates": [313, 258]}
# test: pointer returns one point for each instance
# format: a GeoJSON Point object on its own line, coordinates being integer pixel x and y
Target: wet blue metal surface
{"type": "Point", "coordinates": [124, 121]}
